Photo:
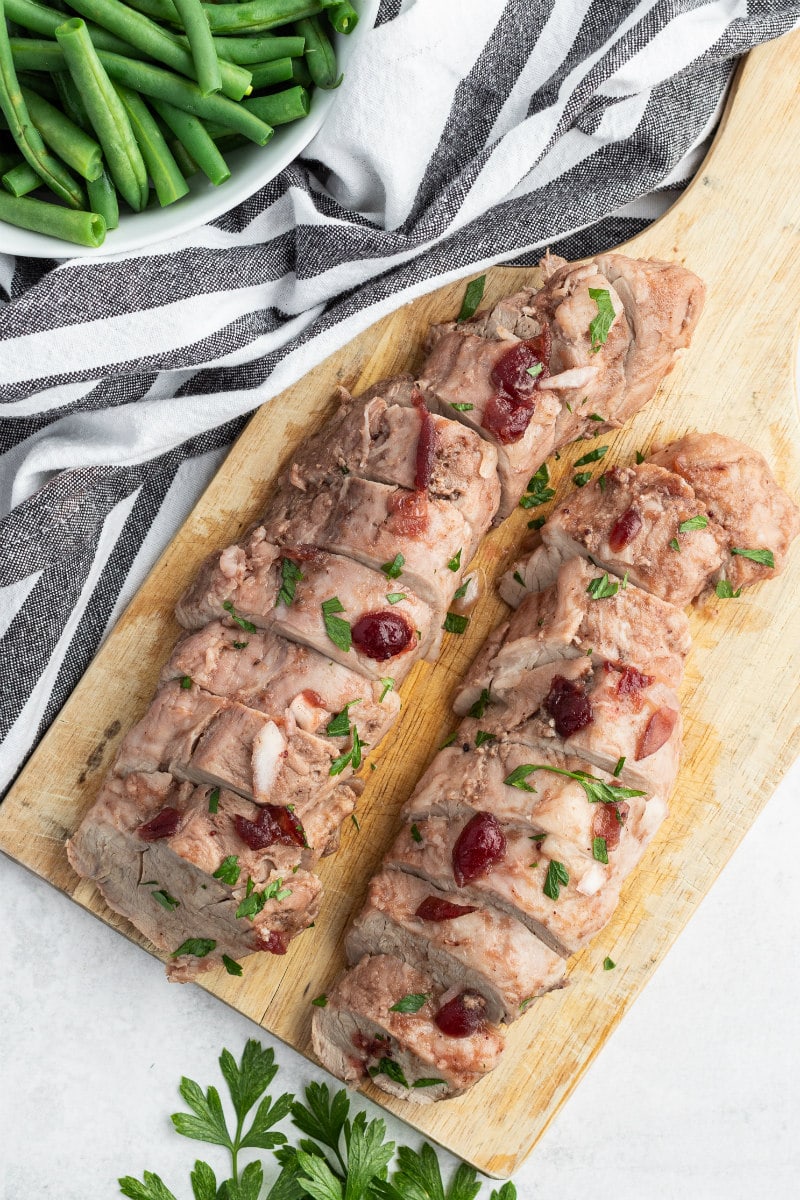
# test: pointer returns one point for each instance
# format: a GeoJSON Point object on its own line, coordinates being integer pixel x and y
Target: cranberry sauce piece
{"type": "Point", "coordinates": [162, 825]}
{"type": "Point", "coordinates": [608, 820]}
{"type": "Point", "coordinates": [508, 413]}
{"type": "Point", "coordinates": [479, 847]}
{"type": "Point", "coordinates": [433, 908]}
{"type": "Point", "coordinates": [659, 730]}
{"type": "Point", "coordinates": [426, 444]}
{"type": "Point", "coordinates": [568, 705]}
{"type": "Point", "coordinates": [409, 513]}
{"type": "Point", "coordinates": [462, 1016]}
{"type": "Point", "coordinates": [632, 681]}
{"type": "Point", "coordinates": [381, 635]}
{"type": "Point", "coordinates": [273, 824]}
{"type": "Point", "coordinates": [624, 530]}
{"type": "Point", "coordinates": [274, 942]}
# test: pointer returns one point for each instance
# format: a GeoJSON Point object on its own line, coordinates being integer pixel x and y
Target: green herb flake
{"type": "Point", "coordinates": [518, 777]}
{"type": "Point", "coordinates": [602, 588]}
{"type": "Point", "coordinates": [472, 298]}
{"type": "Point", "coordinates": [455, 623]}
{"type": "Point", "coordinates": [411, 1003]}
{"type": "Point", "coordinates": [478, 709]}
{"type": "Point", "coordinates": [254, 901]}
{"type": "Point", "coordinates": [198, 947]}
{"type": "Point", "coordinates": [394, 569]}
{"type": "Point", "coordinates": [228, 870]}
{"type": "Point", "coordinates": [537, 491]}
{"type": "Point", "coordinates": [608, 964]}
{"type": "Point", "coordinates": [415, 833]}
{"type": "Point", "coordinates": [351, 757]}
{"type": "Point", "coordinates": [240, 645]}
{"type": "Point", "coordinates": [675, 545]}
{"type": "Point", "coordinates": [387, 684]}
{"type": "Point", "coordinates": [698, 522]}
{"type": "Point", "coordinates": [764, 557]}
{"type": "Point", "coordinates": [165, 900]}
{"type": "Point", "coordinates": [291, 575]}
{"type": "Point", "coordinates": [535, 370]}
{"type": "Point", "coordinates": [231, 965]}
{"type": "Point", "coordinates": [536, 523]}
{"type": "Point", "coordinates": [619, 766]}
{"type": "Point", "coordinates": [482, 737]}
{"type": "Point", "coordinates": [526, 1003]}
{"type": "Point", "coordinates": [582, 478]}
{"type": "Point", "coordinates": [339, 725]}
{"type": "Point", "coordinates": [639, 458]}
{"type": "Point", "coordinates": [213, 800]}
{"type": "Point", "coordinates": [597, 790]}
{"type": "Point", "coordinates": [599, 328]}
{"type": "Point", "coordinates": [600, 849]}
{"type": "Point", "coordinates": [320, 1001]}
{"type": "Point", "coordinates": [462, 407]}
{"type": "Point", "coordinates": [568, 406]}
{"type": "Point", "coordinates": [593, 456]}
{"type": "Point", "coordinates": [596, 417]}
{"type": "Point", "coordinates": [454, 563]}
{"type": "Point", "coordinates": [423, 1083]}
{"type": "Point", "coordinates": [337, 629]}
{"type": "Point", "coordinates": [517, 577]}
{"type": "Point", "coordinates": [354, 819]}
{"type": "Point", "coordinates": [186, 682]}
{"type": "Point", "coordinates": [247, 626]}
{"type": "Point", "coordinates": [396, 597]}
{"type": "Point", "coordinates": [448, 741]}
{"type": "Point", "coordinates": [602, 482]}
{"type": "Point", "coordinates": [556, 878]}
{"type": "Point", "coordinates": [724, 590]}
{"type": "Point", "coordinates": [391, 1070]}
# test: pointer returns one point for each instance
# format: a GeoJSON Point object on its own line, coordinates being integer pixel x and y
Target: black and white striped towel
{"type": "Point", "coordinates": [469, 132]}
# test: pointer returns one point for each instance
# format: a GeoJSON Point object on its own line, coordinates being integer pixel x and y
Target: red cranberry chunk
{"type": "Point", "coordinates": [632, 681]}
{"type": "Point", "coordinates": [568, 705]}
{"type": "Point", "coordinates": [426, 445]}
{"type": "Point", "coordinates": [162, 825]}
{"type": "Point", "coordinates": [608, 821]}
{"type": "Point", "coordinates": [480, 846]}
{"type": "Point", "coordinates": [433, 908]}
{"type": "Point", "coordinates": [659, 730]}
{"type": "Point", "coordinates": [511, 373]}
{"type": "Point", "coordinates": [274, 942]}
{"type": "Point", "coordinates": [273, 824]}
{"type": "Point", "coordinates": [381, 635]}
{"type": "Point", "coordinates": [462, 1016]}
{"type": "Point", "coordinates": [624, 530]}
{"type": "Point", "coordinates": [506, 418]}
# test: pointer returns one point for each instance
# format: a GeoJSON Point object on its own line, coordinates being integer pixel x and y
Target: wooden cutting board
{"type": "Point", "coordinates": [738, 226]}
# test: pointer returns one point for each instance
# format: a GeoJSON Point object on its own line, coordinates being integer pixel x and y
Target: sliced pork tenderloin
{"type": "Point", "coordinates": [356, 1035]}
{"type": "Point", "coordinates": [629, 523]}
{"type": "Point", "coordinates": [307, 595]}
{"type": "Point", "coordinates": [739, 491]}
{"type": "Point", "coordinates": [631, 627]}
{"type": "Point", "coordinates": [151, 846]}
{"type": "Point", "coordinates": [475, 947]}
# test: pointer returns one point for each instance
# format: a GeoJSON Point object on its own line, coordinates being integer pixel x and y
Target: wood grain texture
{"type": "Point", "coordinates": [738, 226]}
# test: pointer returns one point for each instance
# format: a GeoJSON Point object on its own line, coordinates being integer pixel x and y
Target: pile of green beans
{"type": "Point", "coordinates": [111, 105]}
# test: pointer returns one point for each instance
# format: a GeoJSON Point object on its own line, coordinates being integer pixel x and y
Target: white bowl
{"type": "Point", "coordinates": [250, 167]}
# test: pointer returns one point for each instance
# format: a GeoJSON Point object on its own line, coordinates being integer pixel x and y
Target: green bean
{"type": "Point", "coordinates": [319, 54]}
{"type": "Point", "coordinates": [267, 74]}
{"type": "Point", "coordinates": [252, 16]}
{"type": "Point", "coordinates": [183, 158]}
{"type": "Point", "coordinates": [64, 137]}
{"type": "Point", "coordinates": [301, 73]}
{"type": "Point", "coordinates": [103, 199]}
{"type": "Point", "coordinates": [196, 141]}
{"type": "Point", "coordinates": [82, 228]}
{"type": "Point", "coordinates": [106, 112]}
{"type": "Point", "coordinates": [25, 134]}
{"type": "Point", "coordinates": [281, 107]}
{"type": "Point", "coordinates": [21, 180]}
{"type": "Point", "coordinates": [159, 10]}
{"type": "Point", "coordinates": [342, 16]}
{"type": "Point", "coordinates": [71, 101]}
{"type": "Point", "coordinates": [8, 160]}
{"type": "Point", "coordinates": [258, 49]}
{"type": "Point", "coordinates": [39, 18]}
{"type": "Point", "coordinates": [165, 173]}
{"type": "Point", "coordinates": [31, 54]}
{"type": "Point", "coordinates": [201, 44]}
{"type": "Point", "coordinates": [159, 43]}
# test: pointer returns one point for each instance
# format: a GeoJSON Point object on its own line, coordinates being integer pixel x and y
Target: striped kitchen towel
{"type": "Point", "coordinates": [468, 132]}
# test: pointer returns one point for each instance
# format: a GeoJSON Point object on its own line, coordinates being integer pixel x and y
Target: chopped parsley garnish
{"type": "Point", "coordinates": [481, 704]}
{"type": "Point", "coordinates": [448, 741]}
{"type": "Point", "coordinates": [231, 965]}
{"type": "Point", "coordinates": [337, 629]}
{"type": "Point", "coordinates": [461, 592]}
{"type": "Point", "coordinates": [601, 482]}
{"type": "Point", "coordinates": [600, 849]}
{"type": "Point", "coordinates": [290, 577]}
{"type": "Point", "coordinates": [387, 685]}
{"type": "Point", "coordinates": [518, 777]}
{"type": "Point", "coordinates": [455, 623]}
{"type": "Point", "coordinates": [596, 417]}
{"type": "Point", "coordinates": [240, 645]}
{"type": "Point", "coordinates": [619, 766]}
{"type": "Point", "coordinates": [462, 407]}
{"type": "Point", "coordinates": [556, 878]}
{"type": "Point", "coordinates": [186, 682]}
{"type": "Point", "coordinates": [526, 1003]}
{"type": "Point", "coordinates": [454, 563]}
{"type": "Point", "coordinates": [247, 626]}
{"type": "Point", "coordinates": [423, 1083]}
{"type": "Point", "coordinates": [229, 870]}
{"type": "Point", "coordinates": [396, 597]}
{"type": "Point", "coordinates": [698, 522]}
{"type": "Point", "coordinates": [339, 725]}
{"type": "Point", "coordinates": [518, 578]}
{"type": "Point", "coordinates": [600, 326]}
{"type": "Point", "coordinates": [254, 901]}
{"type": "Point", "coordinates": [535, 370]}
{"type": "Point", "coordinates": [199, 947]}
{"type": "Point", "coordinates": [354, 818]}
{"type": "Point", "coordinates": [392, 1071]}
{"type": "Point", "coordinates": [415, 833]}
{"type": "Point", "coordinates": [675, 545]}
{"type": "Point", "coordinates": [765, 557]}
{"type": "Point", "coordinates": [394, 569]}
{"type": "Point", "coordinates": [411, 1003]}
{"type": "Point", "coordinates": [165, 900]}
{"type": "Point", "coordinates": [593, 456]}
{"type": "Point", "coordinates": [536, 523]}
{"type": "Point", "coordinates": [213, 800]}
{"type": "Point", "coordinates": [608, 964]}
{"type": "Point", "coordinates": [602, 588]}
{"type": "Point", "coordinates": [320, 1001]}
{"type": "Point", "coordinates": [351, 757]}
{"type": "Point", "coordinates": [537, 491]}
{"type": "Point", "coordinates": [472, 298]}
{"type": "Point", "coordinates": [582, 478]}
{"type": "Point", "coordinates": [725, 591]}
{"type": "Point", "coordinates": [482, 737]}
{"type": "Point", "coordinates": [597, 791]}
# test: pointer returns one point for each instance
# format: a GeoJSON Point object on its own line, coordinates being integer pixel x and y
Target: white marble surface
{"type": "Point", "coordinates": [696, 1095]}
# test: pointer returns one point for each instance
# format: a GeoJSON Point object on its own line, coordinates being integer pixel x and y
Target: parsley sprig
{"type": "Point", "coordinates": [537, 491]}
{"type": "Point", "coordinates": [597, 790]}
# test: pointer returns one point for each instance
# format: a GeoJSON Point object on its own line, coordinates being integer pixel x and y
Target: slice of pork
{"type": "Point", "coordinates": [515, 882]}
{"type": "Point", "coordinates": [482, 950]}
{"type": "Point", "coordinates": [739, 491]}
{"type": "Point", "coordinates": [627, 522]}
{"type": "Point", "coordinates": [252, 578]}
{"type": "Point", "coordinates": [165, 884]}
{"type": "Point", "coordinates": [564, 621]}
{"type": "Point", "coordinates": [357, 1036]}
